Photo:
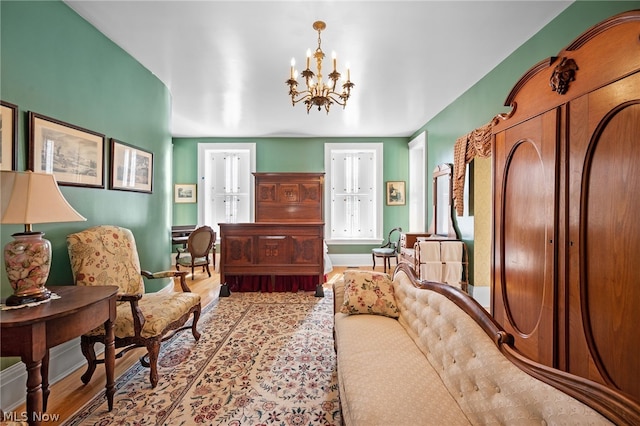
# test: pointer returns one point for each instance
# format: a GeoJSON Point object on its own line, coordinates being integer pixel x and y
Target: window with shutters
{"type": "Point", "coordinates": [353, 188]}
{"type": "Point", "coordinates": [225, 183]}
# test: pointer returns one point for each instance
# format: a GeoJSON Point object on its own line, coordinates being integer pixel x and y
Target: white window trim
{"type": "Point", "coordinates": [378, 147]}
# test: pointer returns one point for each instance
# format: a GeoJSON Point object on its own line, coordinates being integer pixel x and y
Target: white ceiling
{"type": "Point", "coordinates": [226, 62]}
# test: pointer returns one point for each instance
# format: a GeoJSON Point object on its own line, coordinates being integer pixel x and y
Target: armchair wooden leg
{"type": "Point", "coordinates": [194, 323]}
{"type": "Point", "coordinates": [153, 347]}
{"type": "Point", "coordinates": [90, 354]}
{"type": "Point", "coordinates": [373, 256]}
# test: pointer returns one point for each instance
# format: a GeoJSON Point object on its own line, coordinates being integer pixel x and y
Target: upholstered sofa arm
{"type": "Point", "coordinates": [338, 295]}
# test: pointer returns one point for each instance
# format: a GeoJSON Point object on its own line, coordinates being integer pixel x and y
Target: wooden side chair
{"type": "Point", "coordinates": [107, 255]}
{"type": "Point", "coordinates": [388, 250]}
{"type": "Point", "coordinates": [200, 244]}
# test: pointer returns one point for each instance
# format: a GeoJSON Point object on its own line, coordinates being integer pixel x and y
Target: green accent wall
{"type": "Point", "coordinates": [295, 155]}
{"type": "Point", "coordinates": [56, 64]}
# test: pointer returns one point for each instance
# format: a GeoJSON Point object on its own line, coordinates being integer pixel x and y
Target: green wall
{"type": "Point", "coordinates": [294, 155]}
{"type": "Point", "coordinates": [56, 64]}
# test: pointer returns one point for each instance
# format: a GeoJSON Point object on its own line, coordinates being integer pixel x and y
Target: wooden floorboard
{"type": "Point", "coordinates": [70, 394]}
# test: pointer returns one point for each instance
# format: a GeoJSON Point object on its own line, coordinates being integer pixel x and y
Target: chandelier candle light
{"type": "Point", "coordinates": [29, 198]}
{"type": "Point", "coordinates": [319, 93]}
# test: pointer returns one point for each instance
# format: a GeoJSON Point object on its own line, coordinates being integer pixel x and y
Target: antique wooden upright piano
{"type": "Point", "coordinates": [283, 250]}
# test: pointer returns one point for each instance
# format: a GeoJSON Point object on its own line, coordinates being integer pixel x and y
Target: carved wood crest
{"type": "Point", "coordinates": [563, 74]}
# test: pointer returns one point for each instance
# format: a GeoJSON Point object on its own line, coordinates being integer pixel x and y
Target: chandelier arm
{"type": "Point", "coordinates": [339, 100]}
{"type": "Point", "coordinates": [303, 95]}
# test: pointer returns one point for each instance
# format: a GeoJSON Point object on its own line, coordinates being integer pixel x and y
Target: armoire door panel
{"type": "Point", "coordinates": [525, 235]}
{"type": "Point", "coordinates": [524, 226]}
{"type": "Point", "coordinates": [605, 184]}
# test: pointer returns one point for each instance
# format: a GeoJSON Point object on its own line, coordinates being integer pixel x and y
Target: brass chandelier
{"type": "Point", "coordinates": [319, 93]}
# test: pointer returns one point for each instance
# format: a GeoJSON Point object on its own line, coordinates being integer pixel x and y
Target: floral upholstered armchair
{"type": "Point", "coordinates": [107, 255]}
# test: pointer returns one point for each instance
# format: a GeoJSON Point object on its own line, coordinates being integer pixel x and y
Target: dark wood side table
{"type": "Point", "coordinates": [30, 332]}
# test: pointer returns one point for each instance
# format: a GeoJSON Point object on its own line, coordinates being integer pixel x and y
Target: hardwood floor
{"type": "Point", "coordinates": [70, 394]}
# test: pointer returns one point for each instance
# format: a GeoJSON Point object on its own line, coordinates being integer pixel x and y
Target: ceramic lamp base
{"type": "Point", "coordinates": [27, 259]}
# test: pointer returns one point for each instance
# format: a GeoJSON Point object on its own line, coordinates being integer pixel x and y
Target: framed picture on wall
{"type": "Point", "coordinates": [131, 168]}
{"type": "Point", "coordinates": [75, 156]}
{"type": "Point", "coordinates": [185, 193]}
{"type": "Point", "coordinates": [8, 136]}
{"type": "Point", "coordinates": [396, 193]}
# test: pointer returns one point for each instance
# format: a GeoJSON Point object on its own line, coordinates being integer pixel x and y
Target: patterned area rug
{"type": "Point", "coordinates": [263, 359]}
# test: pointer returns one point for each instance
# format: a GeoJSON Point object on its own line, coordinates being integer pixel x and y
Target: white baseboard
{"type": "Point", "coordinates": [63, 360]}
{"type": "Point", "coordinates": [351, 259]}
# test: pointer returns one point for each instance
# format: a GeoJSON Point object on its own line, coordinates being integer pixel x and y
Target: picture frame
{"type": "Point", "coordinates": [8, 136]}
{"type": "Point", "coordinates": [74, 155]}
{"type": "Point", "coordinates": [185, 193]}
{"type": "Point", "coordinates": [396, 193]}
{"type": "Point", "coordinates": [131, 168]}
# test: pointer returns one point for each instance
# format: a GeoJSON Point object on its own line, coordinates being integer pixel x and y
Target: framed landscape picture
{"type": "Point", "coordinates": [395, 193]}
{"type": "Point", "coordinates": [185, 193]}
{"type": "Point", "coordinates": [131, 168]}
{"type": "Point", "coordinates": [75, 156]}
{"type": "Point", "coordinates": [8, 136]}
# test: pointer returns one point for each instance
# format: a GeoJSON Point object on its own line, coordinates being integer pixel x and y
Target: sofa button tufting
{"type": "Point", "coordinates": [476, 388]}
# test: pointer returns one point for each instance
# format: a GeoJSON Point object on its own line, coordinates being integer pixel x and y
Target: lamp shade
{"type": "Point", "coordinates": [29, 198]}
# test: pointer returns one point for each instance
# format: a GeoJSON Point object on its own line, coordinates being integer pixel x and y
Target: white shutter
{"type": "Point", "coordinates": [228, 187]}
{"type": "Point", "coordinates": [353, 177]}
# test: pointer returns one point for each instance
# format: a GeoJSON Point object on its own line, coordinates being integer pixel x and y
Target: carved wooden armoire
{"type": "Point", "coordinates": [566, 275]}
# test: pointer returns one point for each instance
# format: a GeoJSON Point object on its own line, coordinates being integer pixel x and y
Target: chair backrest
{"type": "Point", "coordinates": [106, 255]}
{"type": "Point", "coordinates": [394, 244]}
{"type": "Point", "coordinates": [201, 241]}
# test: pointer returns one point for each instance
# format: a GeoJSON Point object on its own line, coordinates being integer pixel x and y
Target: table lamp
{"type": "Point", "coordinates": [29, 198]}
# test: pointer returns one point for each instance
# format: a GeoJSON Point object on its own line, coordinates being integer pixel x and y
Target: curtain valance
{"type": "Point", "coordinates": [476, 143]}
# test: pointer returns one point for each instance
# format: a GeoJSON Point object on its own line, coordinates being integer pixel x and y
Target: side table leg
{"type": "Point", "coordinates": [109, 361]}
{"type": "Point", "coordinates": [45, 380]}
{"type": "Point", "coordinates": [34, 391]}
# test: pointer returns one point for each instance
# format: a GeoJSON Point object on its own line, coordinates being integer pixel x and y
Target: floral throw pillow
{"type": "Point", "coordinates": [369, 293]}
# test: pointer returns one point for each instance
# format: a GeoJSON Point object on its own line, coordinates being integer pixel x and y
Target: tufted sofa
{"type": "Point", "coordinates": [428, 354]}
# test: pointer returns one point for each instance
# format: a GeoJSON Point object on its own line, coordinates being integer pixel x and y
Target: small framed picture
{"type": "Point", "coordinates": [131, 168]}
{"type": "Point", "coordinates": [8, 136]}
{"type": "Point", "coordinates": [396, 193]}
{"type": "Point", "coordinates": [75, 156]}
{"type": "Point", "coordinates": [185, 193]}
